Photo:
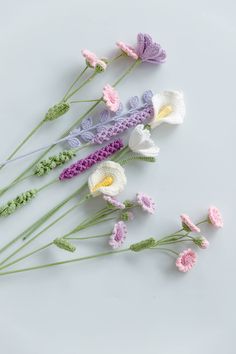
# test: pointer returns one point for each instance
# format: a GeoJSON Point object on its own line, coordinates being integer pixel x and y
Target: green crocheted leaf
{"type": "Point", "coordinates": [57, 111]}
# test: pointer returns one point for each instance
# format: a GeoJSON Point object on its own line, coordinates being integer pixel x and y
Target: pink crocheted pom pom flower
{"type": "Point", "coordinates": [188, 224]}
{"type": "Point", "coordinates": [113, 202]}
{"type": "Point", "coordinates": [118, 235]}
{"type": "Point", "coordinates": [127, 49]}
{"type": "Point", "coordinates": [201, 242]}
{"type": "Point", "coordinates": [215, 217]}
{"type": "Point", "coordinates": [111, 98]}
{"type": "Point", "coordinates": [146, 202]}
{"type": "Point", "coordinates": [91, 58]}
{"type": "Point", "coordinates": [186, 260]}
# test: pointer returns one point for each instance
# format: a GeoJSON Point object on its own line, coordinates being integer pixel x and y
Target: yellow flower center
{"type": "Point", "coordinates": [106, 182]}
{"type": "Point", "coordinates": [164, 112]}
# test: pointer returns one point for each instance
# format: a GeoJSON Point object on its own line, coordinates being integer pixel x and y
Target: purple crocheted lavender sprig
{"type": "Point", "coordinates": [84, 164]}
{"type": "Point", "coordinates": [134, 119]}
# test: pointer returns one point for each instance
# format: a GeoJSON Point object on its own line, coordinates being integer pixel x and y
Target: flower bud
{"type": "Point", "coordinates": [64, 244]}
{"type": "Point", "coordinates": [57, 111]}
{"type": "Point", "coordinates": [139, 246]}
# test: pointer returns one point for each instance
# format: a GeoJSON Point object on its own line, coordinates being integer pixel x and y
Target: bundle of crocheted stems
{"type": "Point", "coordinates": [105, 129]}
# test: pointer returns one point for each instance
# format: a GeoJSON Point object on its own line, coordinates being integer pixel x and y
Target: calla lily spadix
{"type": "Point", "coordinates": [169, 107]}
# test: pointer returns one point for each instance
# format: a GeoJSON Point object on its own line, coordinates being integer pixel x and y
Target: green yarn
{"type": "Point", "coordinates": [139, 246]}
{"type": "Point", "coordinates": [57, 111]}
{"type": "Point", "coordinates": [64, 244]}
{"type": "Point", "coordinates": [45, 166]}
{"type": "Point", "coordinates": [139, 157]}
{"type": "Point", "coordinates": [18, 202]}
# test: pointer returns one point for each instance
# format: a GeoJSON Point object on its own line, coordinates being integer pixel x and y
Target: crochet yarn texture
{"type": "Point", "coordinates": [57, 111]}
{"type": "Point", "coordinates": [45, 166]}
{"type": "Point", "coordinates": [84, 164]}
{"type": "Point", "coordinates": [18, 202]}
{"type": "Point", "coordinates": [142, 245]}
{"type": "Point", "coordinates": [134, 119]}
{"type": "Point", "coordinates": [64, 244]}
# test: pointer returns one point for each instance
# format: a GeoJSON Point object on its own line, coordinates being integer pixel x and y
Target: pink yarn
{"type": "Point", "coordinates": [90, 58]}
{"type": "Point", "coordinates": [113, 202]}
{"type": "Point", "coordinates": [127, 49]}
{"type": "Point", "coordinates": [146, 202]}
{"type": "Point", "coordinates": [119, 234]}
{"type": "Point", "coordinates": [215, 217]}
{"type": "Point", "coordinates": [186, 260]}
{"type": "Point", "coordinates": [201, 242]}
{"type": "Point", "coordinates": [204, 243]}
{"type": "Point", "coordinates": [187, 222]}
{"type": "Point", "coordinates": [111, 98]}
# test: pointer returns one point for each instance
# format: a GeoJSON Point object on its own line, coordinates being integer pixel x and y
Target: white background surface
{"type": "Point", "coordinates": [129, 304]}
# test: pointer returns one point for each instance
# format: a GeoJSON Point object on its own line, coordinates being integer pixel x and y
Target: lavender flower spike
{"type": "Point", "coordinates": [134, 119]}
{"type": "Point", "coordinates": [149, 51]}
{"type": "Point", "coordinates": [84, 164]}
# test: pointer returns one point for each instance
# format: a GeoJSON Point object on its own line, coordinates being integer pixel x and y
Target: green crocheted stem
{"type": "Point", "coordinates": [57, 111]}
{"type": "Point", "coordinates": [18, 202]}
{"type": "Point", "coordinates": [142, 245]}
{"type": "Point", "coordinates": [139, 157]}
{"type": "Point", "coordinates": [64, 244]}
{"type": "Point", "coordinates": [47, 165]}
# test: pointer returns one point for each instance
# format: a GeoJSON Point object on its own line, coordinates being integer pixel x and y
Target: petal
{"type": "Point", "coordinates": [108, 168]}
{"type": "Point", "coordinates": [173, 98]}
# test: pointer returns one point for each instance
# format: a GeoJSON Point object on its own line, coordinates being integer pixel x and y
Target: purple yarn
{"type": "Point", "coordinates": [134, 119]}
{"type": "Point", "coordinates": [149, 51]}
{"type": "Point", "coordinates": [84, 164]}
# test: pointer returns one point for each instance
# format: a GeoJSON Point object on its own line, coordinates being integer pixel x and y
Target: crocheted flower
{"type": "Point", "coordinates": [146, 202]}
{"type": "Point", "coordinates": [201, 242]}
{"type": "Point", "coordinates": [140, 142]}
{"type": "Point", "coordinates": [100, 66]}
{"type": "Point", "coordinates": [113, 202]}
{"type": "Point", "coordinates": [187, 223]}
{"type": "Point", "coordinates": [169, 107]}
{"type": "Point", "coordinates": [121, 126]}
{"type": "Point", "coordinates": [109, 178]}
{"type": "Point", "coordinates": [119, 234]}
{"type": "Point", "coordinates": [127, 216]}
{"type": "Point", "coordinates": [215, 217]}
{"type": "Point", "coordinates": [111, 98]}
{"type": "Point", "coordinates": [149, 51]}
{"type": "Point", "coordinates": [127, 49]}
{"type": "Point", "coordinates": [186, 260]}
{"type": "Point", "coordinates": [95, 157]}
{"type": "Point", "coordinates": [91, 58]}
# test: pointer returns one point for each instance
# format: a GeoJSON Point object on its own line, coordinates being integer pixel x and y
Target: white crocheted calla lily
{"type": "Point", "coordinates": [109, 179]}
{"type": "Point", "coordinates": [140, 142]}
{"type": "Point", "coordinates": [169, 107]}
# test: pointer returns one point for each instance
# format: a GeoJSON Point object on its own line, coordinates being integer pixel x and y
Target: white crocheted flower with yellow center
{"type": "Point", "coordinates": [109, 178]}
{"type": "Point", "coordinates": [169, 107]}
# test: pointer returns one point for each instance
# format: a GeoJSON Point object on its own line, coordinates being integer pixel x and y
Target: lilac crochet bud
{"type": "Point", "coordinates": [84, 164]}
{"type": "Point", "coordinates": [134, 119]}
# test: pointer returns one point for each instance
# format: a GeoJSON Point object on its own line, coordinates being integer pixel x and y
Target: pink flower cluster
{"type": "Point", "coordinates": [146, 203]}
{"type": "Point", "coordinates": [93, 61]}
{"type": "Point", "coordinates": [119, 234]}
{"type": "Point", "coordinates": [111, 98]}
{"type": "Point", "coordinates": [187, 259]}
